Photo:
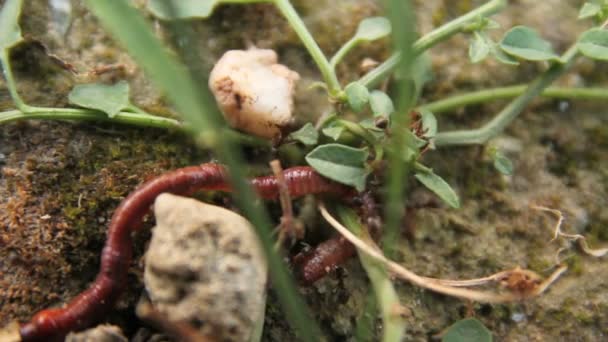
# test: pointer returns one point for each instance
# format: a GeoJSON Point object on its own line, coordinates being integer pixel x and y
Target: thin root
{"type": "Point", "coordinates": [580, 239]}
{"type": "Point", "coordinates": [522, 284]}
{"type": "Point", "coordinates": [288, 228]}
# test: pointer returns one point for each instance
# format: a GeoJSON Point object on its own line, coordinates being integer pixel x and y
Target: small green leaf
{"type": "Point", "coordinates": [381, 104]}
{"type": "Point", "coordinates": [182, 9]}
{"type": "Point", "coordinates": [502, 163]}
{"type": "Point", "coordinates": [357, 96]}
{"type": "Point", "coordinates": [373, 28]}
{"type": "Point", "coordinates": [341, 163]}
{"type": "Point", "coordinates": [110, 99]}
{"type": "Point", "coordinates": [524, 42]}
{"type": "Point", "coordinates": [409, 155]}
{"type": "Point", "coordinates": [594, 44]}
{"type": "Point", "coordinates": [467, 330]}
{"type": "Point", "coordinates": [480, 24]}
{"type": "Point", "coordinates": [589, 10]}
{"type": "Point", "coordinates": [491, 24]}
{"type": "Point", "coordinates": [10, 32]}
{"type": "Point", "coordinates": [412, 141]}
{"type": "Point", "coordinates": [429, 123]}
{"type": "Point", "coordinates": [370, 125]}
{"type": "Point", "coordinates": [479, 48]}
{"type": "Point", "coordinates": [307, 135]}
{"type": "Point", "coordinates": [440, 187]}
{"type": "Point", "coordinates": [502, 57]}
{"type": "Point", "coordinates": [333, 131]}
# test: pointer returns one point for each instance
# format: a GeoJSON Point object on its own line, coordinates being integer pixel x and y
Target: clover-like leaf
{"type": "Point", "coordinates": [479, 48]}
{"type": "Point", "coordinates": [341, 163]}
{"type": "Point", "coordinates": [182, 9]}
{"type": "Point", "coordinates": [467, 330]}
{"type": "Point", "coordinates": [10, 32]}
{"type": "Point", "coordinates": [307, 135]}
{"type": "Point", "coordinates": [524, 42]}
{"type": "Point", "coordinates": [357, 96]}
{"type": "Point", "coordinates": [502, 163]}
{"type": "Point", "coordinates": [589, 10]}
{"type": "Point", "coordinates": [110, 99]}
{"type": "Point", "coordinates": [440, 187]}
{"type": "Point", "coordinates": [373, 28]}
{"type": "Point", "coordinates": [594, 44]}
{"type": "Point", "coordinates": [381, 104]}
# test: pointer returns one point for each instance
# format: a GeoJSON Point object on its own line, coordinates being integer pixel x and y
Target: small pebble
{"type": "Point", "coordinates": [205, 267]}
{"type": "Point", "coordinates": [101, 333]}
{"type": "Point", "coordinates": [518, 317]}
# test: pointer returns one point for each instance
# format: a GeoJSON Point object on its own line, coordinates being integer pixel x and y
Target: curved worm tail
{"type": "Point", "coordinates": [92, 304]}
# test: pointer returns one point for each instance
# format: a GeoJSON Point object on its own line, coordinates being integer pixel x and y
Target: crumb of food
{"type": "Point", "coordinates": [254, 93]}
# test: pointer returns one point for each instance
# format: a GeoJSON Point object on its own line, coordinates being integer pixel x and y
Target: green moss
{"type": "Point", "coordinates": [584, 317]}
{"type": "Point", "coordinates": [71, 212]}
{"type": "Point", "coordinates": [598, 231]}
{"type": "Point", "coordinates": [115, 151]}
{"type": "Point", "coordinates": [575, 265]}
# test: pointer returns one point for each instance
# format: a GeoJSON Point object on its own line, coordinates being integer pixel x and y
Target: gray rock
{"type": "Point", "coordinates": [101, 333]}
{"type": "Point", "coordinates": [205, 266]}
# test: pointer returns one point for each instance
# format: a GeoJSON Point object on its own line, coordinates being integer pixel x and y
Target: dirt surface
{"type": "Point", "coordinates": [60, 181]}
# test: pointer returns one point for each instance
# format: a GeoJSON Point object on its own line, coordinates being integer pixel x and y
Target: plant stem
{"type": "Point", "coordinates": [512, 110]}
{"type": "Point", "coordinates": [138, 119]}
{"type": "Point", "coordinates": [386, 296]}
{"type": "Point", "coordinates": [502, 93]}
{"type": "Point", "coordinates": [10, 80]}
{"type": "Point", "coordinates": [337, 58]}
{"type": "Point", "coordinates": [358, 130]}
{"type": "Point", "coordinates": [196, 104]}
{"type": "Point", "coordinates": [128, 118]}
{"type": "Point", "coordinates": [311, 45]}
{"type": "Point", "coordinates": [375, 76]}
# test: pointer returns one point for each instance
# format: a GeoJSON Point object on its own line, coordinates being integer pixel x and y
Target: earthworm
{"type": "Point", "coordinates": [318, 262]}
{"type": "Point", "coordinates": [90, 305]}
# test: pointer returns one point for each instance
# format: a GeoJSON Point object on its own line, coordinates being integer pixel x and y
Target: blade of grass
{"type": "Point", "coordinates": [386, 296]}
{"type": "Point", "coordinates": [195, 103]}
{"type": "Point", "coordinates": [366, 322]}
{"type": "Point", "coordinates": [403, 35]}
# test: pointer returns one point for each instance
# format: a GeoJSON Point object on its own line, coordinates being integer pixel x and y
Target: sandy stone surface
{"type": "Point", "coordinates": [205, 266]}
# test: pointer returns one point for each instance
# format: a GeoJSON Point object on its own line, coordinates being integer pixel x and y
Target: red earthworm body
{"type": "Point", "coordinates": [101, 295]}
{"type": "Point", "coordinates": [318, 262]}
